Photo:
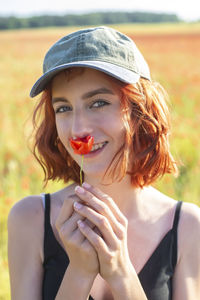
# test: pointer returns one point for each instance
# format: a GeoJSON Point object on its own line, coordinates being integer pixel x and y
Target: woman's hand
{"type": "Point", "coordinates": [111, 244]}
{"type": "Point", "coordinates": [82, 255]}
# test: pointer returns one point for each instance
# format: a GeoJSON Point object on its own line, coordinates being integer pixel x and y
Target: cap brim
{"type": "Point", "coordinates": [120, 73]}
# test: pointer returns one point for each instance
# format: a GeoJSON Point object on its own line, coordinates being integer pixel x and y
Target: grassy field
{"type": "Point", "coordinates": [172, 52]}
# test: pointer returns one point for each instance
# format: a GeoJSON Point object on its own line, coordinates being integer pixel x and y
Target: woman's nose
{"type": "Point", "coordinates": [81, 126]}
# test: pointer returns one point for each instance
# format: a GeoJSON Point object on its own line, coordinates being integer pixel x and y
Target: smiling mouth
{"type": "Point", "coordinates": [98, 146]}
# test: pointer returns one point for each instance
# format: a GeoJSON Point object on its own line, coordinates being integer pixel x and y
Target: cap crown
{"type": "Point", "coordinates": [101, 48]}
{"type": "Point", "coordinates": [96, 44]}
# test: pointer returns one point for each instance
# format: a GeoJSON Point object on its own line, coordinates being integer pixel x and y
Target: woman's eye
{"type": "Point", "coordinates": [99, 103]}
{"type": "Point", "coordinates": [62, 109]}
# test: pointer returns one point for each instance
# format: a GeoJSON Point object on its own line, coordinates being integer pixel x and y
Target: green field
{"type": "Point", "coordinates": [172, 51]}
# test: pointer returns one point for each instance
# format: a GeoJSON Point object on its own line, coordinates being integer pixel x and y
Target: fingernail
{"type": "Point", "coordinates": [79, 190]}
{"type": "Point", "coordinates": [86, 185]}
{"type": "Point", "coordinates": [77, 205]}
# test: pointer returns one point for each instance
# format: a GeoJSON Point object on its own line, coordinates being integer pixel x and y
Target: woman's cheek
{"type": "Point", "coordinates": [63, 133]}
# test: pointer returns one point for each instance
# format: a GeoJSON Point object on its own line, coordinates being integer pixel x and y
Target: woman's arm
{"type": "Point", "coordinates": [186, 282]}
{"type": "Point", "coordinates": [75, 285]}
{"type": "Point", "coordinates": [25, 253]}
{"type": "Point", "coordinates": [24, 249]}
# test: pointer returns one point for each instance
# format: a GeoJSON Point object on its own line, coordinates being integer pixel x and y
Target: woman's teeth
{"type": "Point", "coordinates": [98, 146]}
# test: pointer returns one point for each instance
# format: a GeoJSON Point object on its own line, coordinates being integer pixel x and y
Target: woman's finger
{"type": "Point", "coordinates": [77, 237]}
{"type": "Point", "coordinates": [103, 209]}
{"type": "Point", "coordinates": [66, 211]}
{"type": "Point", "coordinates": [106, 199]}
{"type": "Point", "coordinates": [100, 221]}
{"type": "Point", "coordinates": [71, 223]}
{"type": "Point", "coordinates": [94, 238]}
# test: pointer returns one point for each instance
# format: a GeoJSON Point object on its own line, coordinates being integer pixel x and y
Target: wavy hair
{"type": "Point", "coordinates": [145, 154]}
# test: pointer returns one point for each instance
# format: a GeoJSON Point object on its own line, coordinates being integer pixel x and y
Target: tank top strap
{"type": "Point", "coordinates": [47, 226]}
{"type": "Point", "coordinates": [175, 233]}
{"type": "Point", "coordinates": [47, 211]}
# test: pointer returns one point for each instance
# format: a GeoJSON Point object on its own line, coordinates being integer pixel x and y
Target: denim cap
{"type": "Point", "coordinates": [100, 48]}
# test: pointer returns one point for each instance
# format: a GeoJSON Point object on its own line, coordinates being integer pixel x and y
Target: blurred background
{"type": "Point", "coordinates": [168, 34]}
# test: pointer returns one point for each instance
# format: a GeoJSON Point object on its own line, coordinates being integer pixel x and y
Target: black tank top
{"type": "Point", "coordinates": [155, 276]}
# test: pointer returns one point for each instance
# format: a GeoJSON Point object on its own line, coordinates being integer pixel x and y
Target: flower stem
{"type": "Point", "coordinates": [81, 170]}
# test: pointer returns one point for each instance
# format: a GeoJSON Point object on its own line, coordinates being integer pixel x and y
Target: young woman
{"type": "Point", "coordinates": [114, 236]}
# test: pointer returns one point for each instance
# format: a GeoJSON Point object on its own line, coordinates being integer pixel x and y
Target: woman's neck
{"type": "Point", "coordinates": [123, 193]}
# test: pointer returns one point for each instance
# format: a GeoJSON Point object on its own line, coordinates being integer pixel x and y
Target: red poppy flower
{"type": "Point", "coordinates": [82, 145]}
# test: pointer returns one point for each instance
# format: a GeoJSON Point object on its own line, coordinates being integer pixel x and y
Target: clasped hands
{"type": "Point", "coordinates": [94, 233]}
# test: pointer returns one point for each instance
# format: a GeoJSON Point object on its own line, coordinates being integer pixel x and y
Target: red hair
{"type": "Point", "coordinates": [145, 155]}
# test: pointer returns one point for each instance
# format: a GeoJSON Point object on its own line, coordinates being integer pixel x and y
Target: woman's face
{"type": "Point", "coordinates": [87, 103]}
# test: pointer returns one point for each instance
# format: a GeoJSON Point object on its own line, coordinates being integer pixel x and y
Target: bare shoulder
{"type": "Point", "coordinates": [188, 254]}
{"type": "Point", "coordinates": [26, 211]}
{"type": "Point", "coordinates": [190, 213]}
{"type": "Point", "coordinates": [29, 211]}
{"type": "Point", "coordinates": [189, 226]}
{"type": "Point", "coordinates": [25, 222]}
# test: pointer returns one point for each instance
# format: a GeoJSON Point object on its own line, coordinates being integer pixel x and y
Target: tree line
{"type": "Point", "coordinates": [97, 18]}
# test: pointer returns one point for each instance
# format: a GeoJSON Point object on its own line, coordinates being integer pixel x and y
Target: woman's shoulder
{"type": "Point", "coordinates": [26, 218]}
{"type": "Point", "coordinates": [188, 245]}
{"type": "Point", "coordinates": [31, 207]}
{"type": "Point", "coordinates": [25, 224]}
{"type": "Point", "coordinates": [189, 221]}
{"type": "Point", "coordinates": [160, 200]}
{"type": "Point", "coordinates": [190, 213]}
{"type": "Point", "coordinates": [163, 205]}
{"type": "Point", "coordinates": [26, 209]}
{"type": "Point", "coordinates": [189, 225]}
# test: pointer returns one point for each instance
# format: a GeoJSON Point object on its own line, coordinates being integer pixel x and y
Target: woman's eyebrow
{"type": "Point", "coordinates": [86, 95]}
{"type": "Point", "coordinates": [59, 99]}
{"type": "Point", "coordinates": [97, 92]}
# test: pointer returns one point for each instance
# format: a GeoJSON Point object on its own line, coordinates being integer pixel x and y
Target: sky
{"type": "Point", "coordinates": [186, 10]}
